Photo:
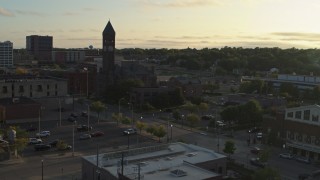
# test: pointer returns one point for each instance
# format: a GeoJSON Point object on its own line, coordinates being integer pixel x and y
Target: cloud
{"type": "Point", "coordinates": [70, 14]}
{"type": "Point", "coordinates": [297, 36]}
{"type": "Point", "coordinates": [181, 3]}
{"type": "Point", "coordinates": [91, 9]}
{"type": "Point", "coordinates": [31, 13]}
{"type": "Point", "coordinates": [4, 12]}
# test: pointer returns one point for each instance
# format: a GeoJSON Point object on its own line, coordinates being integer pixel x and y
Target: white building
{"type": "Point", "coordinates": [6, 54]}
{"type": "Point", "coordinates": [169, 161]}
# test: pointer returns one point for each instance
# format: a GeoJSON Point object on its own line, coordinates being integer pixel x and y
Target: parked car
{"type": "Point", "coordinates": [207, 117]}
{"type": "Point", "coordinates": [257, 162]}
{"type": "Point", "coordinates": [286, 155]}
{"type": "Point", "coordinates": [84, 114]}
{"type": "Point", "coordinates": [303, 176]}
{"type": "Point", "coordinates": [54, 143]}
{"type": "Point", "coordinates": [97, 134]}
{"type": "Point", "coordinates": [3, 142]}
{"type": "Point", "coordinates": [35, 141]}
{"type": "Point", "coordinates": [83, 128]}
{"type": "Point", "coordinates": [71, 119]}
{"type": "Point", "coordinates": [130, 131]}
{"type": "Point", "coordinates": [255, 150]}
{"type": "Point", "coordinates": [254, 130]}
{"type": "Point", "coordinates": [259, 135]}
{"type": "Point", "coordinates": [42, 147]}
{"type": "Point", "coordinates": [303, 159]}
{"type": "Point", "coordinates": [85, 136]}
{"type": "Point", "coordinates": [75, 115]}
{"type": "Point", "coordinates": [31, 129]}
{"type": "Point", "coordinates": [43, 134]}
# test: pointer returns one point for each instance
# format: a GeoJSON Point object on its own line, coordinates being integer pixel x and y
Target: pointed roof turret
{"type": "Point", "coordinates": [109, 29]}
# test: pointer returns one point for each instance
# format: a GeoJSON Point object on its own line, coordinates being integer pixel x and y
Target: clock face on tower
{"type": "Point", "coordinates": [110, 48]}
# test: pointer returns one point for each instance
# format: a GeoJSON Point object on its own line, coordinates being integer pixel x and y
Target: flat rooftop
{"type": "Point", "coordinates": [159, 162]}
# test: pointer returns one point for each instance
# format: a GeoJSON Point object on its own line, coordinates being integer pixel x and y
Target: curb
{"type": "Point", "coordinates": [12, 161]}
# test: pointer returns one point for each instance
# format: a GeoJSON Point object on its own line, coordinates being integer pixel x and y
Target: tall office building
{"type": "Point", "coordinates": [40, 47]}
{"type": "Point", "coordinates": [6, 54]}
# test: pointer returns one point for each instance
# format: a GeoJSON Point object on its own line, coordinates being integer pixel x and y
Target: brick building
{"type": "Point", "coordinates": [15, 109]}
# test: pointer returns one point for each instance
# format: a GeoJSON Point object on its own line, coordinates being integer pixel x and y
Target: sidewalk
{"type": "Point", "coordinates": [12, 161]}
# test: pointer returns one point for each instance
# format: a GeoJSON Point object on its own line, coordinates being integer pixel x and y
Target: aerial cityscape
{"type": "Point", "coordinates": [150, 89]}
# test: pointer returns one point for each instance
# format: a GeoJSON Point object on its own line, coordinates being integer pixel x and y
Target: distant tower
{"type": "Point", "coordinates": [108, 47]}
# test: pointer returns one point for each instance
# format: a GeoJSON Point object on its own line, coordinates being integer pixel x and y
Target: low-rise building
{"type": "Point", "coordinates": [12, 110]}
{"type": "Point", "coordinates": [191, 87]}
{"type": "Point", "coordinates": [168, 161]}
{"type": "Point", "coordinates": [302, 131]}
{"type": "Point", "coordinates": [12, 86]}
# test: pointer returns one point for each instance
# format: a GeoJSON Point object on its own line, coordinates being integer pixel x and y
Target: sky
{"type": "Point", "coordinates": [164, 23]}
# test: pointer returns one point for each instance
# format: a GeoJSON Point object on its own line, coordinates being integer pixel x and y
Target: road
{"type": "Point", "coordinates": [113, 139]}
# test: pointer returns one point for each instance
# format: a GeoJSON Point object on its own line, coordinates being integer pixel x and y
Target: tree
{"type": "Point", "coordinates": [192, 119]}
{"type": "Point", "coordinates": [141, 125]}
{"type": "Point", "coordinates": [264, 155]}
{"type": "Point", "coordinates": [117, 117]}
{"type": "Point", "coordinates": [176, 115]}
{"type": "Point", "coordinates": [229, 147]}
{"type": "Point", "coordinates": [126, 120]}
{"type": "Point", "coordinates": [151, 129]}
{"type": "Point", "coordinates": [98, 107]}
{"type": "Point", "coordinates": [160, 132]}
{"type": "Point", "coordinates": [266, 173]}
{"type": "Point", "coordinates": [192, 108]}
{"type": "Point", "coordinates": [203, 107]}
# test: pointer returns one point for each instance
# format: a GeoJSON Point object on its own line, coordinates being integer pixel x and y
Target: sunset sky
{"type": "Point", "coordinates": [164, 23]}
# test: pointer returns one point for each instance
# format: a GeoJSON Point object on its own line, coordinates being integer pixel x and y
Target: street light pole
{"type": "Point", "coordinates": [171, 131]}
{"type": "Point", "coordinates": [88, 117]}
{"type": "Point", "coordinates": [73, 137]}
{"type": "Point", "coordinates": [87, 70]}
{"type": "Point", "coordinates": [168, 131]}
{"type": "Point", "coordinates": [42, 169]}
{"type": "Point", "coordinates": [60, 111]}
{"type": "Point", "coordinates": [39, 119]}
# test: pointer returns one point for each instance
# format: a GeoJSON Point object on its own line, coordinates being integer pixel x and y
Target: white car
{"type": "Point", "coordinates": [35, 141]}
{"type": "Point", "coordinates": [286, 155]}
{"type": "Point", "coordinates": [43, 134]}
{"type": "Point", "coordinates": [130, 131]}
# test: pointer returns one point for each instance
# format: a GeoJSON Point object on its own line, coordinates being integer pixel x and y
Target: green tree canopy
{"type": "Point", "coordinates": [141, 125]}
{"type": "Point", "coordinates": [229, 147]}
{"type": "Point", "coordinates": [192, 119]}
{"type": "Point", "coordinates": [98, 107]}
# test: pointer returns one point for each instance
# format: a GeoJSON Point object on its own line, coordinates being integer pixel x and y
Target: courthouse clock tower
{"type": "Point", "coordinates": [108, 48]}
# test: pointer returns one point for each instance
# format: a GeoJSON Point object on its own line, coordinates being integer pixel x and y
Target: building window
{"type": "Point", "coordinates": [4, 89]}
{"type": "Point", "coordinates": [298, 115]}
{"type": "Point", "coordinates": [39, 89]}
{"type": "Point", "coordinates": [290, 114]}
{"type": "Point", "coordinates": [315, 118]}
{"type": "Point", "coordinates": [21, 89]}
{"type": "Point", "coordinates": [306, 115]}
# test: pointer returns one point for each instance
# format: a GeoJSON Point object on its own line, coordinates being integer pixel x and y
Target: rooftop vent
{"type": "Point", "coordinates": [169, 158]}
{"type": "Point", "coordinates": [178, 173]}
{"type": "Point", "coordinates": [191, 154]}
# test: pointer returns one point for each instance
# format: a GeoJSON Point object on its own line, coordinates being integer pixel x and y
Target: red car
{"type": "Point", "coordinates": [256, 150]}
{"type": "Point", "coordinates": [97, 134]}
